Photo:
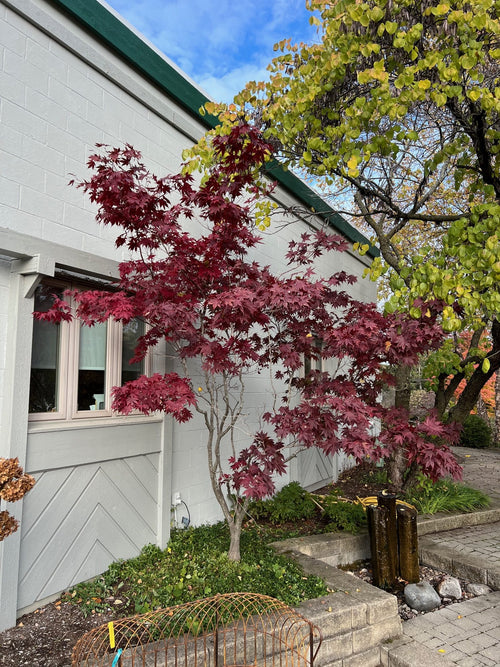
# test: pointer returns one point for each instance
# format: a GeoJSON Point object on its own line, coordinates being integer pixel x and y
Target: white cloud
{"type": "Point", "coordinates": [219, 45]}
{"type": "Point", "coordinates": [223, 88]}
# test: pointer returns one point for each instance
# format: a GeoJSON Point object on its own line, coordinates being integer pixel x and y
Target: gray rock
{"type": "Point", "coordinates": [421, 596]}
{"type": "Point", "coordinates": [450, 587]}
{"type": "Point", "coordinates": [478, 589]}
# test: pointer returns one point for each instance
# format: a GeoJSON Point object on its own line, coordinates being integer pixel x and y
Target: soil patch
{"type": "Point", "coordinates": [45, 638]}
{"type": "Point", "coordinates": [359, 482]}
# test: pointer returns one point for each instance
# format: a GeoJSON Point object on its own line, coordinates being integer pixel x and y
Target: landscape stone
{"type": "Point", "coordinates": [478, 589]}
{"type": "Point", "coordinates": [450, 587]}
{"type": "Point", "coordinates": [421, 596]}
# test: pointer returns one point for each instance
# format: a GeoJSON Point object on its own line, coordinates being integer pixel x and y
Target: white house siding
{"type": "Point", "coordinates": [95, 500]}
{"type": "Point", "coordinates": [104, 486]}
{"type": "Point", "coordinates": [4, 301]}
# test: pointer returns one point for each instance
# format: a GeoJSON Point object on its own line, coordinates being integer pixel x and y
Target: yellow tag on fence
{"type": "Point", "coordinates": [111, 634]}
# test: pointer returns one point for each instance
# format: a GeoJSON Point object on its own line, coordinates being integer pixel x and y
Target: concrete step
{"type": "Point", "coordinates": [404, 652]}
{"type": "Point", "coordinates": [464, 565]}
{"type": "Point", "coordinates": [343, 549]}
{"type": "Point", "coordinates": [360, 623]}
{"type": "Point", "coordinates": [355, 619]}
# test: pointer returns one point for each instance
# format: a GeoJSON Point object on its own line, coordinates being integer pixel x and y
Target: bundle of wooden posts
{"type": "Point", "coordinates": [392, 525]}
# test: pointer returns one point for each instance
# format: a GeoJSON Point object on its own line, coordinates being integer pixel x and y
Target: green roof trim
{"type": "Point", "coordinates": [111, 31]}
{"type": "Point", "coordinates": [320, 207]}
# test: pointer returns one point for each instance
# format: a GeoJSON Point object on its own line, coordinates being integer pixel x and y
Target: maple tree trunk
{"type": "Point", "coordinates": [235, 533]}
{"type": "Point", "coordinates": [233, 520]}
{"type": "Point", "coordinates": [233, 517]}
{"type": "Point", "coordinates": [397, 463]}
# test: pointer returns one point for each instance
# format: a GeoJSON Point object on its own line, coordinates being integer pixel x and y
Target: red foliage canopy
{"type": "Point", "coordinates": [202, 294]}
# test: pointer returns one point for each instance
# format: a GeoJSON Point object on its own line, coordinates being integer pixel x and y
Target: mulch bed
{"type": "Point", "coordinates": [45, 638]}
{"type": "Point", "coordinates": [357, 482]}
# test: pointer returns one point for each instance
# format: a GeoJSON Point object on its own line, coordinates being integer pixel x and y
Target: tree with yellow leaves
{"type": "Point", "coordinates": [398, 103]}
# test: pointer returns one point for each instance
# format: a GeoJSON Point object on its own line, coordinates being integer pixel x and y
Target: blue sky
{"type": "Point", "coordinates": [220, 44]}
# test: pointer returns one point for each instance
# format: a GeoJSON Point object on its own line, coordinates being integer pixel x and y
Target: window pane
{"type": "Point", "coordinates": [314, 362]}
{"type": "Point", "coordinates": [44, 355]}
{"type": "Point", "coordinates": [131, 333]}
{"type": "Point", "coordinates": [92, 367]}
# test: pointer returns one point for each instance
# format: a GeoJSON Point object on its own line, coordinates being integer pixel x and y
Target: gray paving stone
{"type": "Point", "coordinates": [465, 624]}
{"type": "Point", "coordinates": [495, 632]}
{"type": "Point", "coordinates": [449, 630]}
{"type": "Point", "coordinates": [486, 627]}
{"type": "Point", "coordinates": [448, 636]}
{"type": "Point", "coordinates": [452, 655]}
{"type": "Point", "coordinates": [485, 640]}
{"type": "Point", "coordinates": [493, 653]}
{"type": "Point", "coordinates": [468, 662]}
{"type": "Point", "coordinates": [433, 642]}
{"type": "Point", "coordinates": [468, 646]}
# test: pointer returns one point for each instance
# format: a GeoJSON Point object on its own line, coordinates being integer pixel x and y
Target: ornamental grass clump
{"type": "Point", "coordinates": [445, 495]}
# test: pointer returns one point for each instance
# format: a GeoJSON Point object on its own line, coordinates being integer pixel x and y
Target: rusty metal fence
{"type": "Point", "coordinates": [230, 630]}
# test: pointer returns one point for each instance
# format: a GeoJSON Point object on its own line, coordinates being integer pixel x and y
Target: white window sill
{"type": "Point", "coordinates": [44, 426]}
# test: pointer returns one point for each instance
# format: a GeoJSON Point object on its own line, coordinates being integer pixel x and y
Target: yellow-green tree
{"type": "Point", "coordinates": [399, 102]}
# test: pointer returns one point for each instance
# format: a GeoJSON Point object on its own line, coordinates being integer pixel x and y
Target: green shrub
{"type": "Point", "coordinates": [289, 504]}
{"type": "Point", "coordinates": [193, 566]}
{"type": "Point", "coordinates": [475, 433]}
{"type": "Point", "coordinates": [343, 515]}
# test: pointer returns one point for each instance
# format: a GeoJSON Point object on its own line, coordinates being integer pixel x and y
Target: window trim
{"type": "Point", "coordinates": [310, 363]}
{"type": "Point", "coordinates": [68, 368]}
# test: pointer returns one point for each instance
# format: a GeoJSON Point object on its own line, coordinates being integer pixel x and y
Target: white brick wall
{"type": "Point", "coordinates": [55, 108]}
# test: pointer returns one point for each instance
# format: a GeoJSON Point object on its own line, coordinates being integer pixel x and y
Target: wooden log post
{"type": "Point", "coordinates": [408, 544]}
{"type": "Point", "coordinates": [383, 563]}
{"type": "Point", "coordinates": [388, 500]}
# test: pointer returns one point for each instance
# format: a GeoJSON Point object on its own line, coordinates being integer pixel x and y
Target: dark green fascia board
{"type": "Point", "coordinates": [315, 203]}
{"type": "Point", "coordinates": [111, 31]}
{"type": "Point", "coordinates": [98, 20]}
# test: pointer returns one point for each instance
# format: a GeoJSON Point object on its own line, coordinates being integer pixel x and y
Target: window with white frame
{"type": "Point", "coordinates": [74, 367]}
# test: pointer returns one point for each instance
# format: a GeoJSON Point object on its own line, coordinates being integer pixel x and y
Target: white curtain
{"type": "Point", "coordinates": [93, 347]}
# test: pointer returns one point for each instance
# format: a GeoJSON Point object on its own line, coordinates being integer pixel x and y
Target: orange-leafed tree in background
{"type": "Point", "coordinates": [488, 404]}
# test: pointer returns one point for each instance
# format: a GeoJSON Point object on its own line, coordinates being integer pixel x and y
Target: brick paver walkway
{"type": "Point", "coordinates": [468, 633]}
{"type": "Point", "coordinates": [481, 469]}
{"type": "Point", "coordinates": [476, 541]}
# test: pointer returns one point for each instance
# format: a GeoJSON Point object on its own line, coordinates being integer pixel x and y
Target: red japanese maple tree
{"type": "Point", "coordinates": [227, 318]}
